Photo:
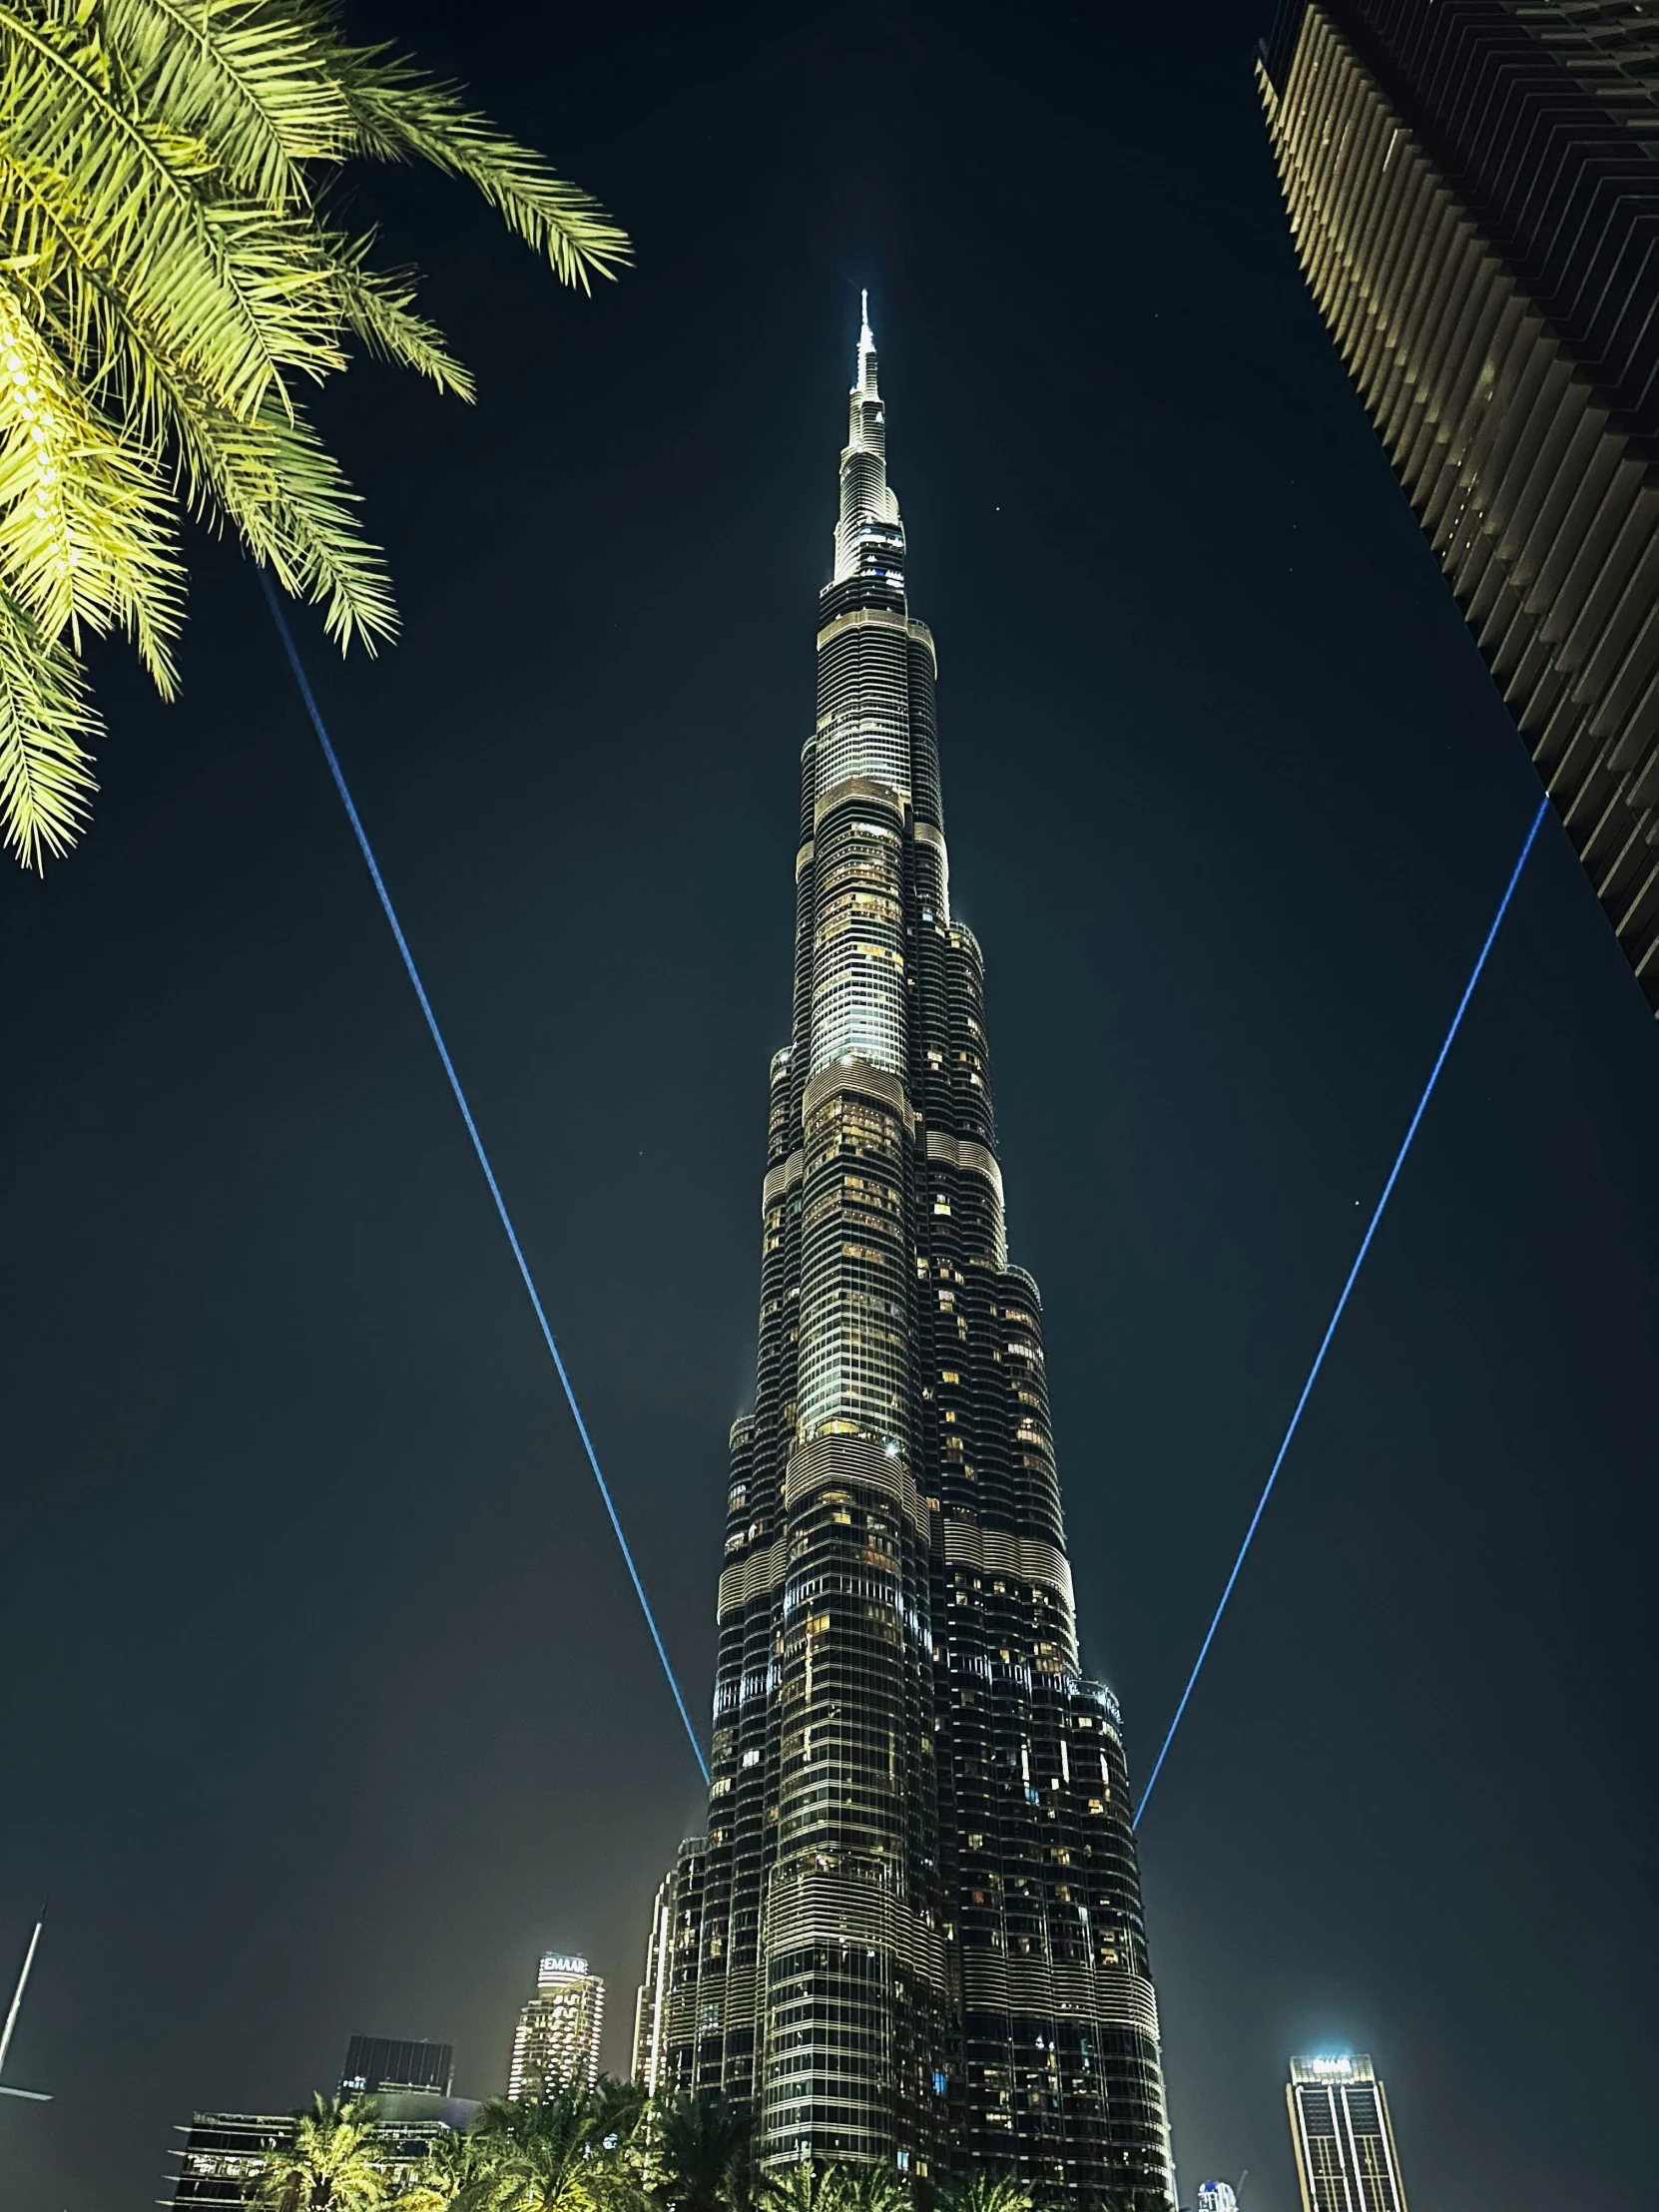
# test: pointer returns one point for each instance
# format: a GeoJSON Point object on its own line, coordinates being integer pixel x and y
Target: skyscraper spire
{"type": "Point", "coordinates": [864, 382]}
{"type": "Point", "coordinates": [868, 539]}
{"type": "Point", "coordinates": [913, 1935]}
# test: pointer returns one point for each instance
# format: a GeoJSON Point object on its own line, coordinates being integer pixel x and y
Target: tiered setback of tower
{"type": "Point", "coordinates": [912, 1933]}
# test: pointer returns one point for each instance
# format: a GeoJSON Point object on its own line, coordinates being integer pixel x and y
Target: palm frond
{"type": "Point", "coordinates": [271, 479]}
{"type": "Point", "coordinates": [401, 114]}
{"type": "Point", "coordinates": [379, 304]}
{"type": "Point", "coordinates": [334, 2155]}
{"type": "Point", "coordinates": [459, 2173]}
{"type": "Point", "coordinates": [985, 2191]}
{"type": "Point", "coordinates": [86, 528]}
{"type": "Point", "coordinates": [323, 554]}
{"type": "Point", "coordinates": [701, 2152]}
{"type": "Point", "coordinates": [46, 778]}
{"type": "Point", "coordinates": [165, 279]}
{"type": "Point", "coordinates": [238, 288]}
{"type": "Point", "coordinates": [245, 79]}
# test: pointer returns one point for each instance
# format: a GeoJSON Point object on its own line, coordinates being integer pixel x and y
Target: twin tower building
{"type": "Point", "coordinates": [912, 1933]}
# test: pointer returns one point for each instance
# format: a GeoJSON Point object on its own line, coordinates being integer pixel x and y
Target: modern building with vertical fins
{"type": "Point", "coordinates": [377, 2064]}
{"type": "Point", "coordinates": [1343, 2137]}
{"type": "Point", "coordinates": [912, 1933]}
{"type": "Point", "coordinates": [1474, 195]}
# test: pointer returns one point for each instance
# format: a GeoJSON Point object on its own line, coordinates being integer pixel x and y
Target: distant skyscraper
{"type": "Point", "coordinates": [1217, 2196]}
{"type": "Point", "coordinates": [913, 1933]}
{"type": "Point", "coordinates": [557, 2043]}
{"type": "Point", "coordinates": [1344, 2142]}
{"type": "Point", "coordinates": [374, 2064]}
{"type": "Point", "coordinates": [1473, 194]}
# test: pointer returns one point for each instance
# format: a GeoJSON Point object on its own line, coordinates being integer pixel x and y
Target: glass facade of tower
{"type": "Point", "coordinates": [1474, 195]}
{"type": "Point", "coordinates": [912, 1933]}
{"type": "Point", "coordinates": [1343, 2137]}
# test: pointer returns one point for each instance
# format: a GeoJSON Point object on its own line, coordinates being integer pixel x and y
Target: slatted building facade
{"type": "Point", "coordinates": [1473, 196]}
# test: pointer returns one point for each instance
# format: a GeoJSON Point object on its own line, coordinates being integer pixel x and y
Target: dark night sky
{"type": "Point", "coordinates": [324, 1703]}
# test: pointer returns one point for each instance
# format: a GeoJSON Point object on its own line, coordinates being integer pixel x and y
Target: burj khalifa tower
{"type": "Point", "coordinates": [912, 1933]}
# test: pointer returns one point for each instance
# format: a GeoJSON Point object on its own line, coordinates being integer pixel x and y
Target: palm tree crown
{"type": "Point", "coordinates": [579, 2150]}
{"type": "Point", "coordinates": [331, 2163]}
{"type": "Point", "coordinates": [171, 277]}
{"type": "Point", "coordinates": [699, 2155]}
{"type": "Point", "coordinates": [988, 2192]}
{"type": "Point", "coordinates": [458, 2174]}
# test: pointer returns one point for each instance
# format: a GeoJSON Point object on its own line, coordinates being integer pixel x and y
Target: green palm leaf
{"type": "Point", "coordinates": [86, 530]}
{"type": "Point", "coordinates": [44, 775]}
{"type": "Point", "coordinates": [459, 2173]}
{"type": "Point", "coordinates": [235, 288]}
{"type": "Point", "coordinates": [400, 114]}
{"type": "Point", "coordinates": [379, 304]}
{"type": "Point", "coordinates": [333, 2162]}
{"type": "Point", "coordinates": [320, 552]}
{"type": "Point", "coordinates": [168, 285]}
{"type": "Point", "coordinates": [244, 79]}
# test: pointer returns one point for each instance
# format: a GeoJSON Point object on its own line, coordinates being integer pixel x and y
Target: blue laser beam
{"type": "Point", "coordinates": [390, 911]}
{"type": "Point", "coordinates": [1330, 1331]}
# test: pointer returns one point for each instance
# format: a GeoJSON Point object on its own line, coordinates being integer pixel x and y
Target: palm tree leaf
{"type": "Point", "coordinates": [46, 778]}
{"type": "Point", "coordinates": [401, 114]}
{"type": "Point", "coordinates": [806, 2188]}
{"type": "Point", "coordinates": [238, 288]}
{"type": "Point", "coordinates": [700, 2148]}
{"type": "Point", "coordinates": [166, 278]}
{"type": "Point", "coordinates": [334, 2155]}
{"type": "Point", "coordinates": [320, 550]}
{"type": "Point", "coordinates": [86, 527]}
{"type": "Point", "coordinates": [271, 479]}
{"type": "Point", "coordinates": [982, 2191]}
{"type": "Point", "coordinates": [245, 78]}
{"type": "Point", "coordinates": [379, 304]}
{"type": "Point", "coordinates": [458, 2174]}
